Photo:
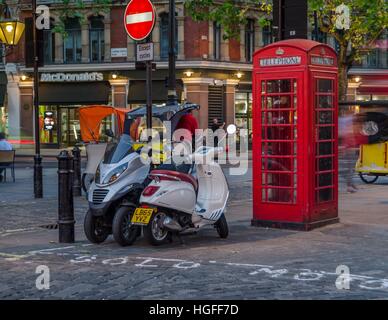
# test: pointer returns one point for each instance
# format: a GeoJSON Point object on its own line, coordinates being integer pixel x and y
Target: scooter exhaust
{"type": "Point", "coordinates": [171, 224]}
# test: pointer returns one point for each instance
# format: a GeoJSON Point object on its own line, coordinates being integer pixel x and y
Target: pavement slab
{"type": "Point", "coordinates": [252, 263]}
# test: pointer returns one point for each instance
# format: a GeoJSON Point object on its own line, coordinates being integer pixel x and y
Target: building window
{"type": "Point", "coordinates": [96, 39]}
{"type": "Point", "coordinates": [72, 41]}
{"type": "Point", "coordinates": [243, 111]}
{"type": "Point", "coordinates": [267, 35]}
{"type": "Point", "coordinates": [164, 44]}
{"type": "Point", "coordinates": [217, 41]}
{"type": "Point", "coordinates": [249, 40]}
{"type": "Point", "coordinates": [49, 44]}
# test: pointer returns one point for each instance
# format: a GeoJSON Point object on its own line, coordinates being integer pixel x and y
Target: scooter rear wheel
{"type": "Point", "coordinates": [94, 228]}
{"type": "Point", "coordinates": [222, 227]}
{"type": "Point", "coordinates": [124, 232]}
{"type": "Point", "coordinates": [154, 232]}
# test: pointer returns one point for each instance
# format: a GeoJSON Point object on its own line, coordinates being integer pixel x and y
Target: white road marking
{"type": "Point", "coordinates": [302, 274]}
{"type": "Point", "coordinates": [50, 250]}
{"type": "Point", "coordinates": [139, 17]}
{"type": "Point", "coordinates": [12, 257]}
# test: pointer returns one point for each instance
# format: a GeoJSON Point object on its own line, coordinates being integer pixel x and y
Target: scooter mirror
{"type": "Point", "coordinates": [231, 129]}
{"type": "Point", "coordinates": [109, 133]}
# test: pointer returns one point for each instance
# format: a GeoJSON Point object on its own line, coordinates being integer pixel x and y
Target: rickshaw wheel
{"type": "Point", "coordinates": [363, 177]}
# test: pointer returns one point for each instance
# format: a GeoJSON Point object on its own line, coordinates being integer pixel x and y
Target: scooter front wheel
{"type": "Point", "coordinates": [95, 229]}
{"type": "Point", "coordinates": [154, 232]}
{"type": "Point", "coordinates": [124, 232]}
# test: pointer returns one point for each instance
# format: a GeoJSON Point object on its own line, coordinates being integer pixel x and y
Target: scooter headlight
{"type": "Point", "coordinates": [115, 174]}
{"type": "Point", "coordinates": [97, 175]}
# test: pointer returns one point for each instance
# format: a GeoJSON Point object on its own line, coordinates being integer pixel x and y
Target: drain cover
{"type": "Point", "coordinates": [49, 226]}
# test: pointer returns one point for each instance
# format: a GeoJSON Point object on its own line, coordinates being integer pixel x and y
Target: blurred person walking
{"type": "Point", "coordinates": [215, 126]}
{"type": "Point", "coordinates": [348, 144]}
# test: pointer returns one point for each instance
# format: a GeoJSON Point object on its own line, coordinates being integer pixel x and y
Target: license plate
{"type": "Point", "coordinates": [142, 216]}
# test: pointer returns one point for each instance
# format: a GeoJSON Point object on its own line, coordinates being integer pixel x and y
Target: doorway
{"type": "Point", "coordinates": [69, 128]}
{"type": "Point", "coordinates": [63, 130]}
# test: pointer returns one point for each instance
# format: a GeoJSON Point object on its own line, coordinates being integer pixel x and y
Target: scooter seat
{"type": "Point", "coordinates": [174, 175]}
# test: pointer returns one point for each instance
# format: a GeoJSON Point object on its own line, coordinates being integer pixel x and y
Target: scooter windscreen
{"type": "Point", "coordinates": [115, 152]}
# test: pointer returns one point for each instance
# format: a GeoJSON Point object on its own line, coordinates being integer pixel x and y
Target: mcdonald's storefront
{"type": "Point", "coordinates": [63, 89]}
{"type": "Point", "coordinates": [60, 96]}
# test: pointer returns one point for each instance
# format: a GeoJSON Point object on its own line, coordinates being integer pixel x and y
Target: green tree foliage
{"type": "Point", "coordinates": [231, 14]}
{"type": "Point", "coordinates": [70, 9]}
{"type": "Point", "coordinates": [368, 19]}
{"type": "Point", "coordinates": [75, 9]}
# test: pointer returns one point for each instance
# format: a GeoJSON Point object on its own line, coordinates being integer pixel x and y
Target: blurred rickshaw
{"type": "Point", "coordinates": [373, 157]}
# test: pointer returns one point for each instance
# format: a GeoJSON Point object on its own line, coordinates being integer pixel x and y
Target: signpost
{"type": "Point", "coordinates": [139, 21]}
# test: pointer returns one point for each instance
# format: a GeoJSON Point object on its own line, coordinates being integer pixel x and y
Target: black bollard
{"type": "Point", "coordinates": [76, 172]}
{"type": "Point", "coordinates": [38, 183]}
{"type": "Point", "coordinates": [65, 198]}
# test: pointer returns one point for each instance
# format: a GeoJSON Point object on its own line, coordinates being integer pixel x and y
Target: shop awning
{"type": "Point", "coordinates": [137, 91]}
{"type": "Point", "coordinates": [74, 93]}
{"type": "Point", "coordinates": [374, 87]}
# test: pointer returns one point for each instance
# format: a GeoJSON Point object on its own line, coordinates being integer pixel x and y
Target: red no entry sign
{"type": "Point", "coordinates": [139, 19]}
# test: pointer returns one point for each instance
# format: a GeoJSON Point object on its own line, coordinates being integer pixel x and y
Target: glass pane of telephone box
{"type": "Point", "coordinates": [275, 86]}
{"type": "Point", "coordinates": [325, 85]}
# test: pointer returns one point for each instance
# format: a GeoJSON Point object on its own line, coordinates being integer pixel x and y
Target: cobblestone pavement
{"type": "Point", "coordinates": [253, 263]}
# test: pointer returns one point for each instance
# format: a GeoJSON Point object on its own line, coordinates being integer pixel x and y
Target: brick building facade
{"type": "Point", "coordinates": [95, 64]}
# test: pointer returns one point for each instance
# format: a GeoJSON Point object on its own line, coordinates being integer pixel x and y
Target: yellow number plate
{"type": "Point", "coordinates": [142, 216]}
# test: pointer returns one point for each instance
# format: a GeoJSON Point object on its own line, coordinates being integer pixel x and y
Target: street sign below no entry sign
{"type": "Point", "coordinates": [145, 52]}
{"type": "Point", "coordinates": [139, 19]}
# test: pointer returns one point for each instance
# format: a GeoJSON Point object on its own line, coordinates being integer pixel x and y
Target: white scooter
{"type": "Point", "coordinates": [183, 201]}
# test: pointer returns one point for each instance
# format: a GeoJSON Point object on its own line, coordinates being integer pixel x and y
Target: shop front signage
{"type": "Point", "coordinates": [49, 121]}
{"type": "Point", "coordinates": [72, 77]}
{"type": "Point", "coordinates": [118, 52]}
{"type": "Point", "coordinates": [280, 61]}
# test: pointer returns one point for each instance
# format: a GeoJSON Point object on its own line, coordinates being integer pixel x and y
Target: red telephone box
{"type": "Point", "coordinates": [295, 112]}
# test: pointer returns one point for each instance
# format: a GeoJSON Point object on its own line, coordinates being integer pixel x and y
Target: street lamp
{"type": "Point", "coordinates": [11, 30]}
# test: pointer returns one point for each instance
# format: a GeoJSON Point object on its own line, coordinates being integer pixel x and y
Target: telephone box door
{"type": "Point", "coordinates": [324, 146]}
{"type": "Point", "coordinates": [278, 146]}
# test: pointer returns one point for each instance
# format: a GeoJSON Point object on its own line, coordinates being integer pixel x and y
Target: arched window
{"type": "Point", "coordinates": [49, 44]}
{"type": "Point", "coordinates": [249, 39]}
{"type": "Point", "coordinates": [164, 44]}
{"type": "Point", "coordinates": [96, 39]}
{"type": "Point", "coordinates": [72, 41]}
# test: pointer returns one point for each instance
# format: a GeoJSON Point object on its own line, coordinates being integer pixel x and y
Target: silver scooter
{"type": "Point", "coordinates": [119, 180]}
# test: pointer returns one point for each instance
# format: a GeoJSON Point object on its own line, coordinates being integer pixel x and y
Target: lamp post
{"type": "Point", "coordinates": [172, 96]}
{"type": "Point", "coordinates": [38, 185]}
